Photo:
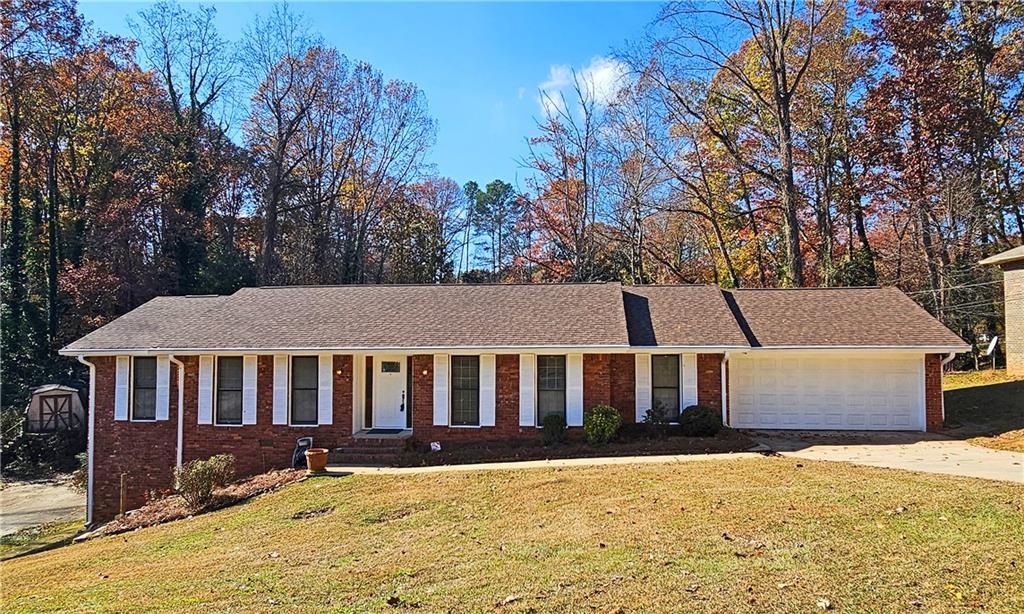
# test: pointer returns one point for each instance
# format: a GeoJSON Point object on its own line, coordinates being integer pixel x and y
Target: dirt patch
{"type": "Point", "coordinates": [173, 507]}
{"type": "Point", "coordinates": [631, 442]}
{"type": "Point", "coordinates": [306, 514]}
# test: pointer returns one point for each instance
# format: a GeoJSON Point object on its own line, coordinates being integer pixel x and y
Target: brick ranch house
{"type": "Point", "coordinates": [186, 377]}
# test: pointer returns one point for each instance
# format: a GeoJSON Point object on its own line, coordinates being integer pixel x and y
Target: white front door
{"type": "Point", "coordinates": [824, 391]}
{"type": "Point", "coordinates": [389, 395]}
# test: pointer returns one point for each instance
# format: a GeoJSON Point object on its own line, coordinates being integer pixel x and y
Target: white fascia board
{"type": "Point", "coordinates": [916, 349]}
{"type": "Point", "coordinates": [490, 349]}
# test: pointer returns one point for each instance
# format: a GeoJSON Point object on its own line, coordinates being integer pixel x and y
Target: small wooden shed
{"type": "Point", "coordinates": [54, 407]}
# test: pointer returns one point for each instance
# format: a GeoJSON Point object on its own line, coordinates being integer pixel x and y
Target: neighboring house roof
{"type": "Point", "coordinates": [837, 317]}
{"type": "Point", "coordinates": [680, 316]}
{"type": "Point", "coordinates": [1011, 255]}
{"type": "Point", "coordinates": [374, 316]}
{"type": "Point", "coordinates": [482, 316]}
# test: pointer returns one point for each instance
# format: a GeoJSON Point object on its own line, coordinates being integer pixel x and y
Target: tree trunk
{"type": "Point", "coordinates": [791, 227]}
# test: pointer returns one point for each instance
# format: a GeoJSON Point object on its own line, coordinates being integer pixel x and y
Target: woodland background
{"type": "Point", "coordinates": [751, 144]}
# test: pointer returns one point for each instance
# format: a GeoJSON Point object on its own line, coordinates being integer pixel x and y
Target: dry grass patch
{"type": "Point", "coordinates": [744, 535]}
{"type": "Point", "coordinates": [986, 408]}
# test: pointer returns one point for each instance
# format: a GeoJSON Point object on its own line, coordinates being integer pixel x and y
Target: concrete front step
{"type": "Point", "coordinates": [360, 455]}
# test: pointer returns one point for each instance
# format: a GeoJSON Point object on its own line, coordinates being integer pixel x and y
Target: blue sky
{"type": "Point", "coordinates": [479, 64]}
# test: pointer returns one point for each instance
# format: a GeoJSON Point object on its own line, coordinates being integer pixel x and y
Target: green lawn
{"type": "Point", "coordinates": [764, 534]}
{"type": "Point", "coordinates": [38, 538]}
{"type": "Point", "coordinates": [987, 407]}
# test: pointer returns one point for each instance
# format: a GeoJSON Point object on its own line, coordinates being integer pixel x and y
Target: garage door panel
{"type": "Point", "coordinates": [826, 392]}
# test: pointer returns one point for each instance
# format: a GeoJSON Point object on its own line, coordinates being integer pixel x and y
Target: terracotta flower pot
{"type": "Point", "coordinates": [316, 459]}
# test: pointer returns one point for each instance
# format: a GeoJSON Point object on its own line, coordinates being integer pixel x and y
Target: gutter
{"type": "Point", "coordinates": [948, 358]}
{"type": "Point", "coordinates": [90, 442]}
{"type": "Point", "coordinates": [181, 408]}
{"type": "Point", "coordinates": [725, 389]}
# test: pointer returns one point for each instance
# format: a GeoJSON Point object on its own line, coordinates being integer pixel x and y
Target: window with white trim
{"type": "Point", "coordinates": [665, 385]}
{"type": "Point", "coordinates": [143, 388]}
{"type": "Point", "coordinates": [550, 386]}
{"type": "Point", "coordinates": [304, 384]}
{"type": "Point", "coordinates": [465, 393]}
{"type": "Point", "coordinates": [228, 400]}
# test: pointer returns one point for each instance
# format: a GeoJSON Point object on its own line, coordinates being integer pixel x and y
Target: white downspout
{"type": "Point", "coordinates": [90, 444]}
{"type": "Point", "coordinates": [181, 408]}
{"type": "Point", "coordinates": [725, 388]}
{"type": "Point", "coordinates": [942, 376]}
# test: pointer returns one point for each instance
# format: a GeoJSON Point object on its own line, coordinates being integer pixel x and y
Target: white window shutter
{"type": "Point", "coordinates": [487, 389]}
{"type": "Point", "coordinates": [643, 385]}
{"type": "Point", "coordinates": [527, 390]}
{"type": "Point", "coordinates": [121, 387]}
{"type": "Point", "coordinates": [280, 389]}
{"type": "Point", "coordinates": [688, 373]}
{"type": "Point", "coordinates": [249, 370]}
{"type": "Point", "coordinates": [206, 390]}
{"type": "Point", "coordinates": [358, 390]}
{"type": "Point", "coordinates": [574, 390]}
{"type": "Point", "coordinates": [440, 390]}
{"type": "Point", "coordinates": [325, 396]}
{"type": "Point", "coordinates": [163, 387]}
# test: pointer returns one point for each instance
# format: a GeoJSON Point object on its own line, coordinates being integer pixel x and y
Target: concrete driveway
{"type": "Point", "coordinates": [910, 451]}
{"type": "Point", "coordinates": [28, 504]}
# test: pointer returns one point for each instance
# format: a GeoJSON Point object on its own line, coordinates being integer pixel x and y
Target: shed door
{"type": "Point", "coordinates": [827, 391]}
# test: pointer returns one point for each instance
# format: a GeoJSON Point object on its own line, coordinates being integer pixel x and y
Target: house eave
{"type": "Point", "coordinates": [497, 349]}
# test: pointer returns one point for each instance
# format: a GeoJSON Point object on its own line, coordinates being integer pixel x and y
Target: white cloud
{"type": "Point", "coordinates": [602, 79]}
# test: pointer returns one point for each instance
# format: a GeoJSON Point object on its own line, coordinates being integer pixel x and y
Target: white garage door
{"type": "Point", "coordinates": [827, 391]}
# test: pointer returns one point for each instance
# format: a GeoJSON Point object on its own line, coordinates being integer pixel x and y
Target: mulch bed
{"type": "Point", "coordinates": [629, 443]}
{"type": "Point", "coordinates": [172, 507]}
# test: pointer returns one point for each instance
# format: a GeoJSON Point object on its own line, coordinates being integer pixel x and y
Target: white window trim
{"type": "Point", "coordinates": [291, 383]}
{"type": "Point", "coordinates": [565, 396]}
{"type": "Point", "coordinates": [451, 389]}
{"type": "Point", "coordinates": [216, 378]}
{"type": "Point", "coordinates": [131, 391]}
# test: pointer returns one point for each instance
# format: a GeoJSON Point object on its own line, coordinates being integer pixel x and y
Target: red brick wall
{"type": "Point", "coordinates": [145, 451]}
{"type": "Point", "coordinates": [596, 380]}
{"type": "Point", "coordinates": [709, 380]}
{"type": "Point", "coordinates": [506, 419]}
{"type": "Point", "coordinates": [933, 392]}
{"type": "Point", "coordinates": [623, 385]}
{"type": "Point", "coordinates": [264, 445]}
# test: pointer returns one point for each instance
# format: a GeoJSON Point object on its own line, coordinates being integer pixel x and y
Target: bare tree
{"type": "Point", "coordinates": [751, 59]}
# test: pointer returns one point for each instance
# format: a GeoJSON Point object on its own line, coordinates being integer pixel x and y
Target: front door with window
{"type": "Point", "coordinates": [389, 395]}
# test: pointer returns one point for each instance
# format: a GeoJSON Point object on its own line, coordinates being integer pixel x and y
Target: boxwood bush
{"type": "Point", "coordinates": [700, 421]}
{"type": "Point", "coordinates": [554, 429]}
{"type": "Point", "coordinates": [196, 479]}
{"type": "Point", "coordinates": [601, 424]}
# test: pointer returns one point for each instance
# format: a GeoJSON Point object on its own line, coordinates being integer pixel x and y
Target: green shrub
{"type": "Point", "coordinates": [196, 479]}
{"type": "Point", "coordinates": [656, 420]}
{"type": "Point", "coordinates": [700, 421]}
{"type": "Point", "coordinates": [554, 429]}
{"type": "Point", "coordinates": [601, 424]}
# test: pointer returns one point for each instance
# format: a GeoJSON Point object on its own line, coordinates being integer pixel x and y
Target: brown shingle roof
{"type": "Point", "coordinates": [374, 316]}
{"type": "Point", "coordinates": [838, 317]}
{"type": "Point", "coordinates": [511, 316]}
{"type": "Point", "coordinates": [680, 316]}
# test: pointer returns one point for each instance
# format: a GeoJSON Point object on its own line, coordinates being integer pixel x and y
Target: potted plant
{"type": "Point", "coordinates": [316, 459]}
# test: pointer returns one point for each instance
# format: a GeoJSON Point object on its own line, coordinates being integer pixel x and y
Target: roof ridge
{"type": "Point", "coordinates": [439, 285]}
{"type": "Point", "coordinates": [810, 288]}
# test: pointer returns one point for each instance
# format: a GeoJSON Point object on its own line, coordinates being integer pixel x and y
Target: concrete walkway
{"type": "Point", "coordinates": [910, 451]}
{"type": "Point", "coordinates": [542, 464]}
{"type": "Point", "coordinates": [29, 504]}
